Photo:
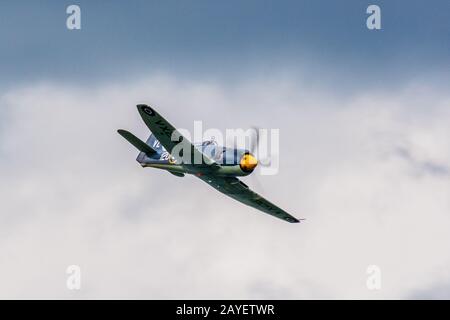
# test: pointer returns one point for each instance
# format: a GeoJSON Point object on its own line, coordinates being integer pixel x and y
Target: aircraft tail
{"type": "Point", "coordinates": [157, 148]}
{"type": "Point", "coordinates": [137, 143]}
{"type": "Point", "coordinates": [151, 150]}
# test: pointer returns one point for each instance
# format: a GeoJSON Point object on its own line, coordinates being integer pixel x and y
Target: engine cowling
{"type": "Point", "coordinates": [248, 162]}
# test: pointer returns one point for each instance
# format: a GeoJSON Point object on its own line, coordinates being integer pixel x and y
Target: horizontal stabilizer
{"type": "Point", "coordinates": [135, 141]}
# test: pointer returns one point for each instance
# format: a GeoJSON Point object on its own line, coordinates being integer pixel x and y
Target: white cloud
{"type": "Point", "coordinates": [72, 194]}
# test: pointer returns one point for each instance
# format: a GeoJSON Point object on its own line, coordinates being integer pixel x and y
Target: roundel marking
{"type": "Point", "coordinates": [148, 111]}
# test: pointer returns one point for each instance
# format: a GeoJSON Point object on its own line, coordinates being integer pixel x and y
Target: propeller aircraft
{"type": "Point", "coordinates": [218, 166]}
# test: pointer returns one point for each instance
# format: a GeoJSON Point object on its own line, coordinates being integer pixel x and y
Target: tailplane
{"type": "Point", "coordinates": [139, 144]}
{"type": "Point", "coordinates": [150, 152]}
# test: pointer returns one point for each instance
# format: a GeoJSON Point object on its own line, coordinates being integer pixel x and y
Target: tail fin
{"type": "Point", "coordinates": [155, 144]}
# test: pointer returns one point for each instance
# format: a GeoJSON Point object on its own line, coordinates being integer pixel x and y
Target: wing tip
{"type": "Point", "coordinates": [145, 108]}
{"type": "Point", "coordinates": [293, 220]}
{"type": "Point", "coordinates": [123, 133]}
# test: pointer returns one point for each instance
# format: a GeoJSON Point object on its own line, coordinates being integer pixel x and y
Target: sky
{"type": "Point", "coordinates": [364, 149]}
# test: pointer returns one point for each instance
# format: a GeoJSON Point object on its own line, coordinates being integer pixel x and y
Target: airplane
{"type": "Point", "coordinates": [200, 160]}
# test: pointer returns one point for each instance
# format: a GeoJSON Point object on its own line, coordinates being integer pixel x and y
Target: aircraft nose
{"type": "Point", "coordinates": [248, 162]}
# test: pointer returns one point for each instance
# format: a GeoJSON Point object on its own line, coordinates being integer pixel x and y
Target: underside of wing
{"type": "Point", "coordinates": [236, 189]}
{"type": "Point", "coordinates": [172, 140]}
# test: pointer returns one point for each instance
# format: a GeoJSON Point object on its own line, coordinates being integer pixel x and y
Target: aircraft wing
{"type": "Point", "coordinates": [236, 189]}
{"type": "Point", "coordinates": [171, 139]}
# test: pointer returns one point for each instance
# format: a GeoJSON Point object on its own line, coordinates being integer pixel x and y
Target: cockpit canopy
{"type": "Point", "coordinates": [222, 155]}
{"type": "Point", "coordinates": [209, 142]}
{"type": "Point", "coordinates": [211, 149]}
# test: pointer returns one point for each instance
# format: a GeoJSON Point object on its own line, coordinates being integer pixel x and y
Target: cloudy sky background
{"type": "Point", "coordinates": [365, 149]}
